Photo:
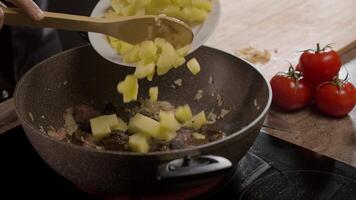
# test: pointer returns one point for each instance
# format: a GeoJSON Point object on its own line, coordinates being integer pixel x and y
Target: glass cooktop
{"type": "Point", "coordinates": [272, 169]}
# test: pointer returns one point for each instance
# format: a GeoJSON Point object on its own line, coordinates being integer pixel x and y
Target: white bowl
{"type": "Point", "coordinates": [201, 32]}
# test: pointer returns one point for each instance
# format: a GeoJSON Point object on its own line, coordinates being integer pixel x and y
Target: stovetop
{"type": "Point", "coordinates": [272, 169]}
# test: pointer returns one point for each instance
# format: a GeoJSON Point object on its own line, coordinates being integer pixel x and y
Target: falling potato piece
{"type": "Point", "coordinates": [183, 113]}
{"type": "Point", "coordinates": [197, 121]}
{"type": "Point", "coordinates": [168, 121]}
{"type": "Point", "coordinates": [139, 143]}
{"type": "Point", "coordinates": [193, 66]}
{"type": "Point", "coordinates": [167, 59]}
{"type": "Point", "coordinates": [143, 124]}
{"type": "Point", "coordinates": [183, 51]}
{"type": "Point", "coordinates": [148, 51]}
{"type": "Point", "coordinates": [144, 70]}
{"type": "Point", "coordinates": [132, 56]}
{"type": "Point", "coordinates": [153, 93]}
{"type": "Point", "coordinates": [128, 88]}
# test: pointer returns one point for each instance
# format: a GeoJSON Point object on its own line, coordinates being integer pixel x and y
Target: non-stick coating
{"type": "Point", "coordinates": [81, 76]}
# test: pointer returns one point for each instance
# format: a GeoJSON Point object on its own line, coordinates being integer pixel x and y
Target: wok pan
{"type": "Point", "coordinates": [81, 76]}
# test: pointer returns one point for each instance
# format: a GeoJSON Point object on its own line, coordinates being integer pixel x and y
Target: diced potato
{"type": "Point", "coordinates": [184, 50]}
{"type": "Point", "coordinates": [182, 3]}
{"type": "Point", "coordinates": [160, 42]}
{"type": "Point", "coordinates": [142, 3]}
{"type": "Point", "coordinates": [186, 13]}
{"type": "Point", "coordinates": [172, 11]}
{"type": "Point", "coordinates": [198, 15]}
{"type": "Point", "coordinates": [100, 127]}
{"type": "Point", "coordinates": [111, 14]}
{"type": "Point", "coordinates": [117, 5]}
{"type": "Point", "coordinates": [153, 92]}
{"type": "Point", "coordinates": [167, 59]}
{"type": "Point", "coordinates": [148, 51]}
{"type": "Point", "coordinates": [114, 42]}
{"type": "Point", "coordinates": [193, 66]}
{"type": "Point", "coordinates": [128, 88]}
{"type": "Point", "coordinates": [202, 4]}
{"type": "Point", "coordinates": [132, 56]}
{"type": "Point", "coordinates": [150, 76]}
{"type": "Point", "coordinates": [139, 143]}
{"type": "Point", "coordinates": [145, 125]}
{"type": "Point", "coordinates": [168, 121]}
{"type": "Point", "coordinates": [183, 113]}
{"type": "Point", "coordinates": [121, 126]}
{"type": "Point", "coordinates": [143, 71]}
{"type": "Point", "coordinates": [198, 136]}
{"type": "Point", "coordinates": [128, 10]}
{"type": "Point", "coordinates": [197, 121]}
{"type": "Point", "coordinates": [112, 120]}
{"type": "Point", "coordinates": [179, 62]}
{"type": "Point", "coordinates": [167, 135]}
{"type": "Point", "coordinates": [124, 47]}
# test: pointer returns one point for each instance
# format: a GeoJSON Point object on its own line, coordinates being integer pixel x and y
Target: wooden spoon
{"type": "Point", "coordinates": [133, 29]}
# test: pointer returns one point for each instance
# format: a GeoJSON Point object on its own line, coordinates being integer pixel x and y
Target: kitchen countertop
{"type": "Point", "coordinates": [284, 27]}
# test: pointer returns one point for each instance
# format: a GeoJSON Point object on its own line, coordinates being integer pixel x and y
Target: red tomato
{"type": "Point", "coordinates": [320, 65]}
{"type": "Point", "coordinates": [289, 92]}
{"type": "Point", "coordinates": [336, 99]}
{"type": "Point", "coordinates": [298, 68]}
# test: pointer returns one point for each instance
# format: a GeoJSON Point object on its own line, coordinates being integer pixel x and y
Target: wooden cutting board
{"type": "Point", "coordinates": [285, 27]}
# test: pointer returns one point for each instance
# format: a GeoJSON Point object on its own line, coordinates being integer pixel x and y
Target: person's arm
{"type": "Point", "coordinates": [28, 6]}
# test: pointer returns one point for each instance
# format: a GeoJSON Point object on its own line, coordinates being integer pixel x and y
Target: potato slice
{"type": "Point", "coordinates": [183, 113]}
{"type": "Point", "coordinates": [145, 125]}
{"type": "Point", "coordinates": [160, 42]}
{"type": "Point", "coordinates": [168, 121]}
{"type": "Point", "coordinates": [153, 93]}
{"type": "Point", "coordinates": [139, 143]}
{"type": "Point", "coordinates": [128, 88]}
{"type": "Point", "coordinates": [100, 127]}
{"type": "Point", "coordinates": [193, 66]}
{"type": "Point", "coordinates": [197, 122]}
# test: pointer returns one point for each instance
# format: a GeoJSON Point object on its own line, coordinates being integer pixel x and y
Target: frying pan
{"type": "Point", "coordinates": [81, 76]}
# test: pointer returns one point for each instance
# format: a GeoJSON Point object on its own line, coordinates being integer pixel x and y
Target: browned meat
{"type": "Point", "coordinates": [60, 134]}
{"type": "Point", "coordinates": [83, 113]}
{"type": "Point", "coordinates": [83, 138]}
{"type": "Point", "coordinates": [117, 141]}
{"type": "Point", "coordinates": [212, 133]}
{"type": "Point", "coordinates": [185, 139]}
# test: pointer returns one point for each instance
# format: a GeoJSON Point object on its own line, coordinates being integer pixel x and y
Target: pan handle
{"type": "Point", "coordinates": [202, 166]}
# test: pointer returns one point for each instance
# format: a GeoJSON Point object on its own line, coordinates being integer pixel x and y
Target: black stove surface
{"type": "Point", "coordinates": [272, 169]}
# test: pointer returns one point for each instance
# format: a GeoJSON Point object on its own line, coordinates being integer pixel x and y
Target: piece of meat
{"type": "Point", "coordinates": [212, 134]}
{"type": "Point", "coordinates": [84, 139]}
{"type": "Point", "coordinates": [60, 134]}
{"type": "Point", "coordinates": [83, 113]}
{"type": "Point", "coordinates": [185, 139]}
{"type": "Point", "coordinates": [157, 145]}
{"type": "Point", "coordinates": [117, 141]}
